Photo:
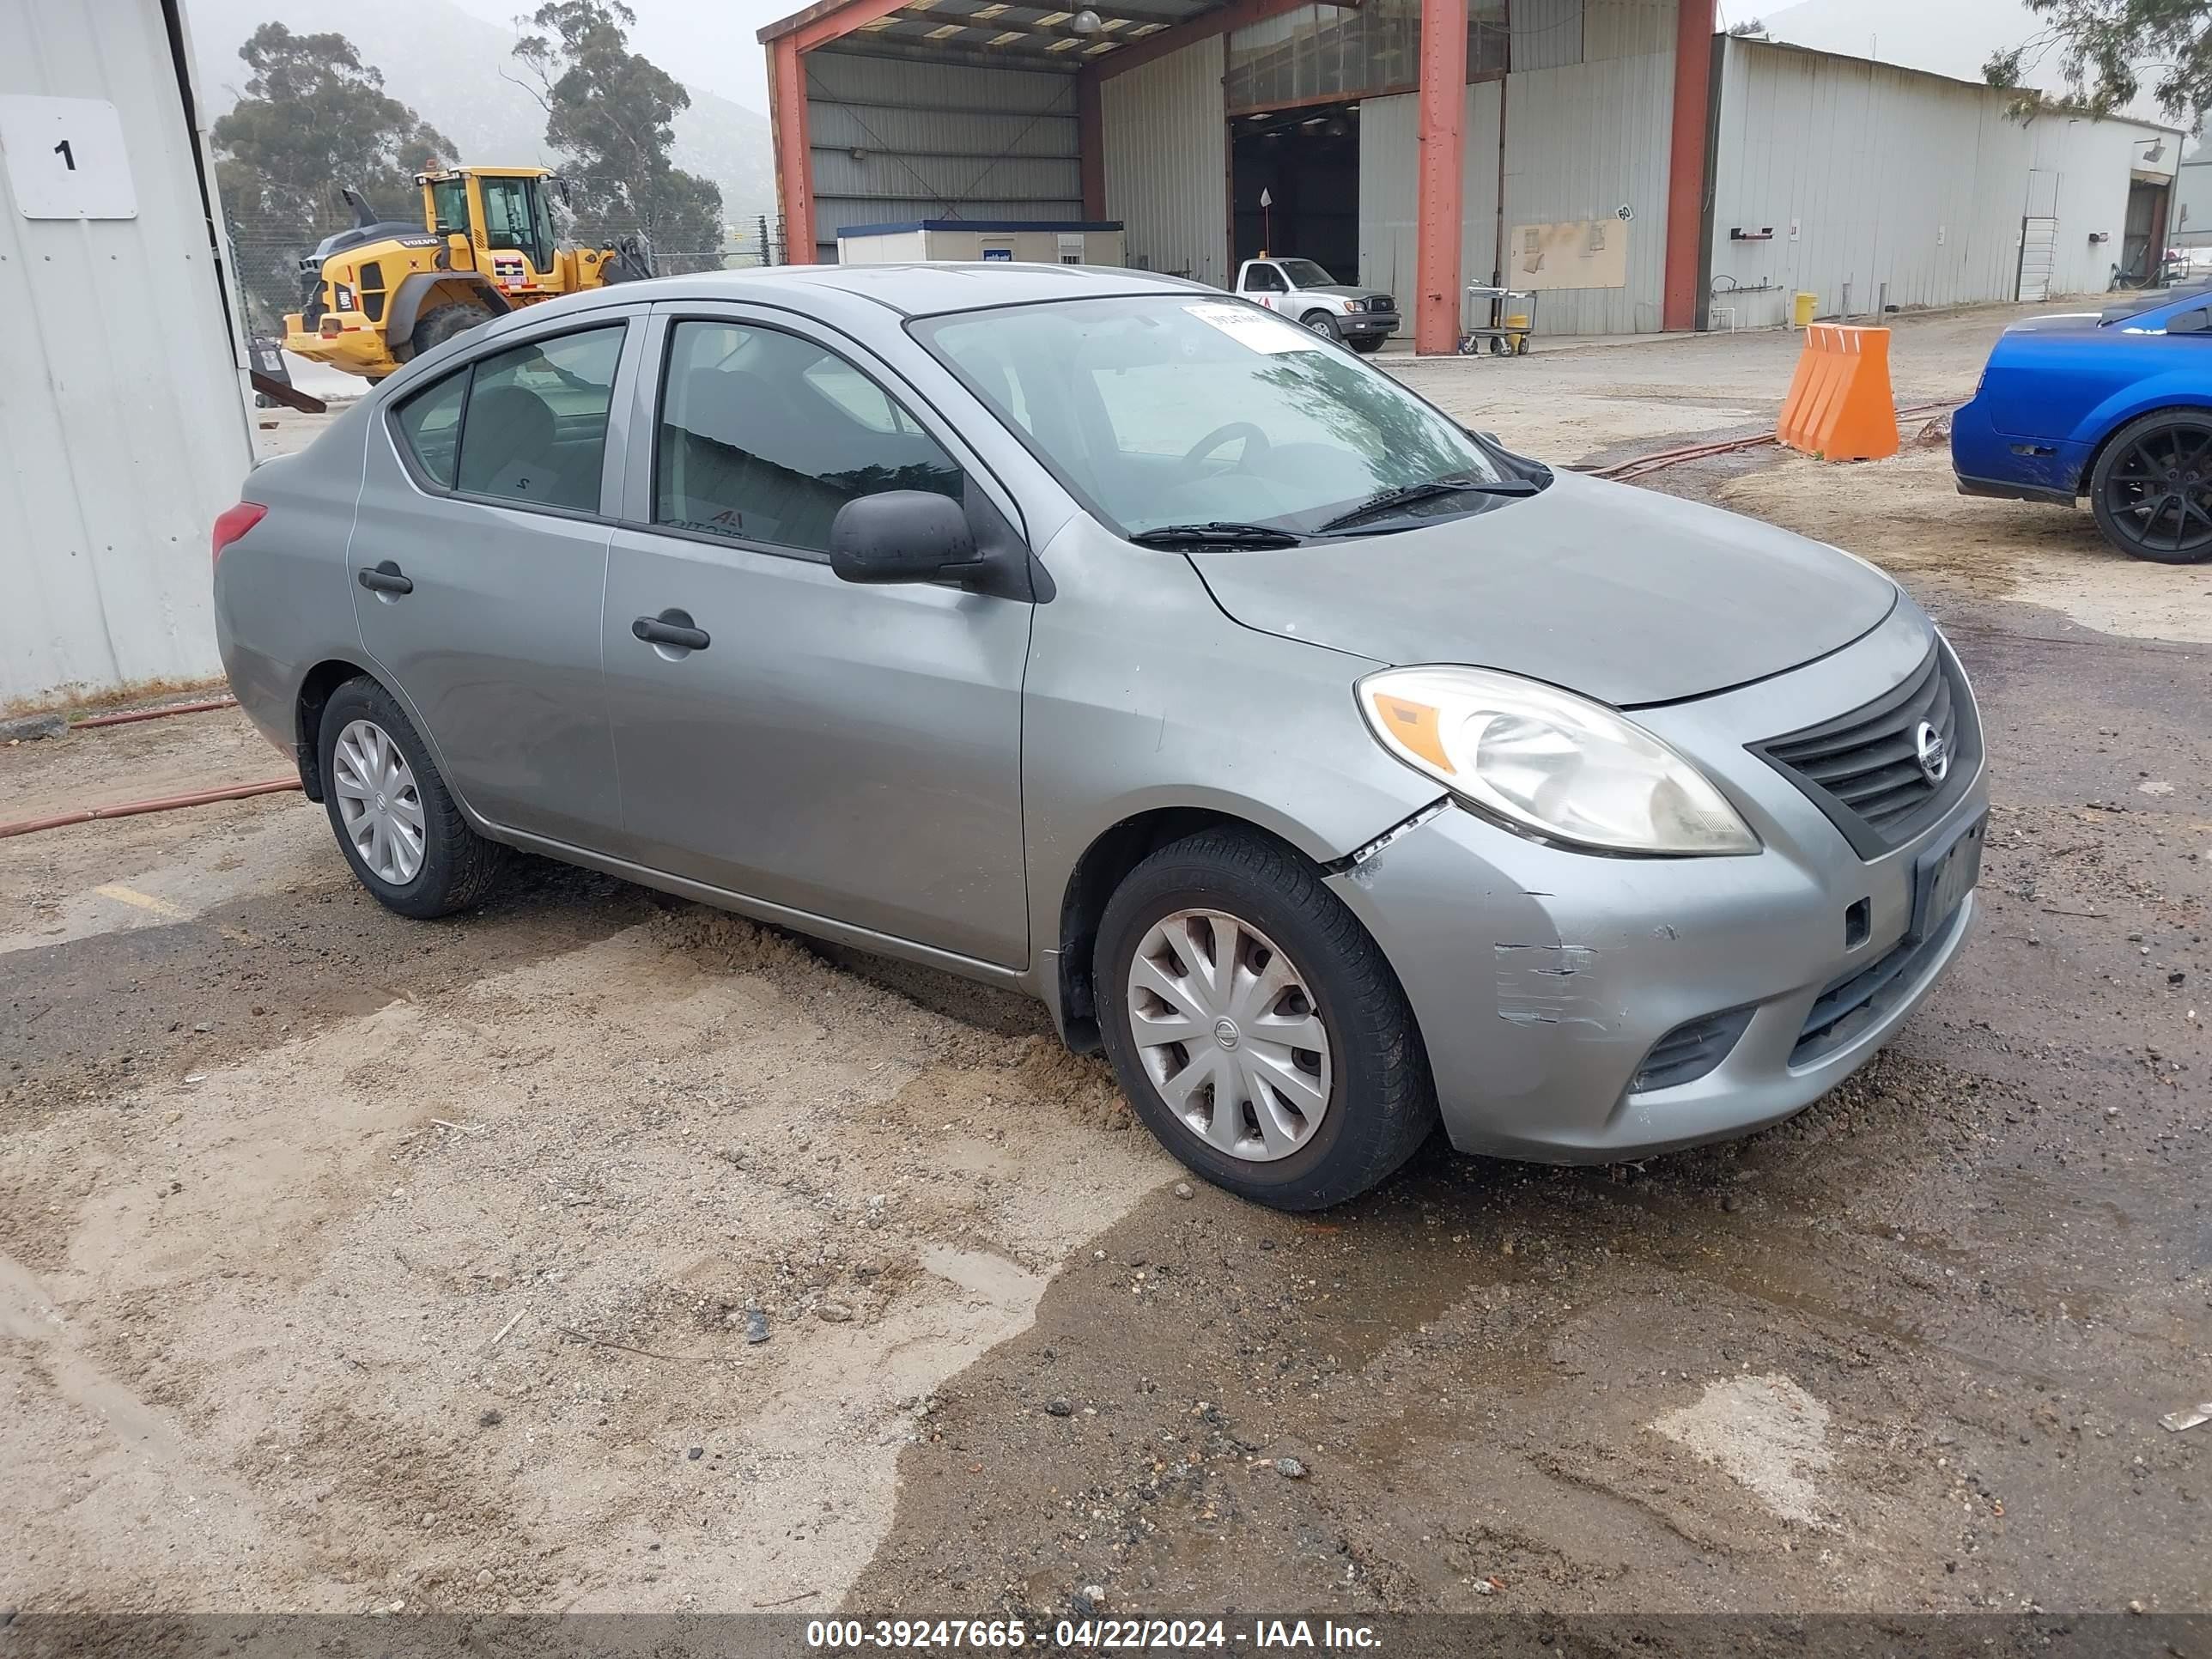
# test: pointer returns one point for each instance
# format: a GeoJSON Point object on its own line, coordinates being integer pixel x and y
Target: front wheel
{"type": "Point", "coordinates": [1255, 1027]}
{"type": "Point", "coordinates": [1323, 324]}
{"type": "Point", "coordinates": [442, 324]}
{"type": "Point", "coordinates": [396, 822]}
{"type": "Point", "coordinates": [1368, 345]}
{"type": "Point", "coordinates": [2151, 489]}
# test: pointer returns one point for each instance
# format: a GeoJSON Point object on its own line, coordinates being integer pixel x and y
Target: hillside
{"type": "Point", "coordinates": [456, 72]}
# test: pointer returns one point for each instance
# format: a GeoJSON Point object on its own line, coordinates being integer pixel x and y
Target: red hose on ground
{"type": "Point", "coordinates": [132, 716]}
{"type": "Point", "coordinates": [129, 809]}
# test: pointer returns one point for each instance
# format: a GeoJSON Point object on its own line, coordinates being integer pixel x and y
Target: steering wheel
{"type": "Point", "coordinates": [1255, 445]}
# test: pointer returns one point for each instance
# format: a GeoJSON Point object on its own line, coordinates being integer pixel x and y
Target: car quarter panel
{"type": "Point", "coordinates": [1541, 976]}
{"type": "Point", "coordinates": [282, 600]}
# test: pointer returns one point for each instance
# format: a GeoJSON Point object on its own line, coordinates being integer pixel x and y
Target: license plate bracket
{"type": "Point", "coordinates": [1944, 875]}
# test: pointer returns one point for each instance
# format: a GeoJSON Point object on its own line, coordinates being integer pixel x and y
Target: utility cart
{"type": "Point", "coordinates": [1508, 330]}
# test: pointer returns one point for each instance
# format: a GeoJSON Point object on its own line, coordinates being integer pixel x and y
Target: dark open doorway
{"type": "Point", "coordinates": [1306, 161]}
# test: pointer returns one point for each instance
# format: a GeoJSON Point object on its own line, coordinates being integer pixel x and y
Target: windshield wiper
{"type": "Point", "coordinates": [1215, 533]}
{"type": "Point", "coordinates": [1408, 494]}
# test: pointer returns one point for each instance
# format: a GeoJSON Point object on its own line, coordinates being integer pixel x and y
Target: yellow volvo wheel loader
{"type": "Point", "coordinates": [384, 291]}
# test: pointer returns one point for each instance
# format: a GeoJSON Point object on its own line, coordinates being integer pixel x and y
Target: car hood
{"type": "Point", "coordinates": [1619, 593]}
{"type": "Point", "coordinates": [1345, 290]}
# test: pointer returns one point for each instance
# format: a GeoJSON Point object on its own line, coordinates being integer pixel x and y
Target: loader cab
{"type": "Point", "coordinates": [506, 217]}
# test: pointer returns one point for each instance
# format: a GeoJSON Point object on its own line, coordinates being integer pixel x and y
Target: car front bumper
{"type": "Point", "coordinates": [1542, 978]}
{"type": "Point", "coordinates": [1359, 324]}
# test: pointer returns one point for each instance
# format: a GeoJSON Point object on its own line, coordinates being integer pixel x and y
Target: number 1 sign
{"type": "Point", "coordinates": [66, 158]}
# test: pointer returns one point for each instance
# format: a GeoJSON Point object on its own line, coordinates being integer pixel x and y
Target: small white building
{"type": "Point", "coordinates": [1050, 242]}
{"type": "Point", "coordinates": [123, 422]}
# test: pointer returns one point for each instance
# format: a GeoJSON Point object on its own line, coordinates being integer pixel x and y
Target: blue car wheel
{"type": "Point", "coordinates": [2152, 487]}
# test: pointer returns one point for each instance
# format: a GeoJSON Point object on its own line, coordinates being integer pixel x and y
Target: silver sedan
{"type": "Point", "coordinates": [1339, 772]}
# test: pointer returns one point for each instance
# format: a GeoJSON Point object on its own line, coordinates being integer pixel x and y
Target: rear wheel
{"type": "Point", "coordinates": [2152, 487]}
{"type": "Point", "coordinates": [1321, 323]}
{"type": "Point", "coordinates": [1254, 1025]}
{"type": "Point", "coordinates": [396, 822]}
{"type": "Point", "coordinates": [440, 322]}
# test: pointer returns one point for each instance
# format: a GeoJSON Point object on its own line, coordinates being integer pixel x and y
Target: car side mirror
{"type": "Point", "coordinates": [2190, 322]}
{"type": "Point", "coordinates": [900, 535]}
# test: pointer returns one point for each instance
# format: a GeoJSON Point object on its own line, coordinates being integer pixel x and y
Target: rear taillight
{"type": "Point", "coordinates": [235, 521]}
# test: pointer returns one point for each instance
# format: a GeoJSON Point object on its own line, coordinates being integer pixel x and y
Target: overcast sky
{"type": "Point", "coordinates": [709, 43]}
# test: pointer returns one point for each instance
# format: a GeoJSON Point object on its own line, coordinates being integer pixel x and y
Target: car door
{"type": "Point", "coordinates": [849, 751]}
{"type": "Point", "coordinates": [1266, 285]}
{"type": "Point", "coordinates": [478, 562]}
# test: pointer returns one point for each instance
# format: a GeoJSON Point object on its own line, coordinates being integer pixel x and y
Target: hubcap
{"type": "Point", "coordinates": [1229, 1035]}
{"type": "Point", "coordinates": [377, 801]}
{"type": "Point", "coordinates": [2160, 491]}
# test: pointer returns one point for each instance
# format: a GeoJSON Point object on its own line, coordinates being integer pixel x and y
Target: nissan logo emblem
{"type": "Point", "coordinates": [1933, 754]}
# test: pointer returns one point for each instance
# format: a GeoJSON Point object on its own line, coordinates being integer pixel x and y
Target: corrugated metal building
{"type": "Point", "coordinates": [121, 421]}
{"type": "Point", "coordinates": [1864, 184]}
{"type": "Point", "coordinates": [1616, 156]}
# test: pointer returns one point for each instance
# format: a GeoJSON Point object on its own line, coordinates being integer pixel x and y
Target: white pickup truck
{"type": "Point", "coordinates": [1302, 291]}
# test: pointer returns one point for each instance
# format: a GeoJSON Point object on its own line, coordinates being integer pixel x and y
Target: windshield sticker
{"type": "Point", "coordinates": [1255, 329]}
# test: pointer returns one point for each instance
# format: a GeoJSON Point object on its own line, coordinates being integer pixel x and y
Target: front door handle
{"type": "Point", "coordinates": [672, 628]}
{"type": "Point", "coordinates": [385, 578]}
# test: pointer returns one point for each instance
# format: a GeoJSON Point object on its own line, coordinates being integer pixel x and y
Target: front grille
{"type": "Point", "coordinates": [1861, 999]}
{"type": "Point", "coordinates": [1864, 768]}
{"type": "Point", "coordinates": [1689, 1051]}
{"type": "Point", "coordinates": [1381, 302]}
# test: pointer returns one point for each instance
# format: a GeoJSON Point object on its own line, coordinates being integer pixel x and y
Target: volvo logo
{"type": "Point", "coordinates": [1933, 753]}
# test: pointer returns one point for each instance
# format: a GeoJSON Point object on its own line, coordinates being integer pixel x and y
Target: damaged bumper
{"type": "Point", "coordinates": [1546, 981]}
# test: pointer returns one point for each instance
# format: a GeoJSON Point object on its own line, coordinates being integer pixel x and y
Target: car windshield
{"type": "Point", "coordinates": [1161, 410]}
{"type": "Point", "coordinates": [1305, 273]}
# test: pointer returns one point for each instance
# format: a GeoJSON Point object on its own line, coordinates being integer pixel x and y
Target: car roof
{"type": "Point", "coordinates": [911, 290]}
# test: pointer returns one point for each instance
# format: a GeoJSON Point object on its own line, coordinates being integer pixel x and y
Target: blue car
{"type": "Point", "coordinates": [2115, 406]}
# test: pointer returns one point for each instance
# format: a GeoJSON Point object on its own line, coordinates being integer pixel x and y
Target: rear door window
{"type": "Point", "coordinates": [535, 432]}
{"type": "Point", "coordinates": [430, 426]}
{"type": "Point", "coordinates": [526, 426]}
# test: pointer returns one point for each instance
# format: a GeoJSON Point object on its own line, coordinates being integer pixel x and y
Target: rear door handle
{"type": "Point", "coordinates": [672, 628]}
{"type": "Point", "coordinates": [385, 578]}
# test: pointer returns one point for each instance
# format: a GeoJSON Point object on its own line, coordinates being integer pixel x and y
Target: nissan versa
{"type": "Point", "coordinates": [1335, 769]}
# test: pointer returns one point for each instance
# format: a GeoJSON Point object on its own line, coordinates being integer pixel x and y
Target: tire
{"type": "Point", "coordinates": [1376, 1104]}
{"type": "Point", "coordinates": [1368, 345]}
{"type": "Point", "coordinates": [2151, 489]}
{"type": "Point", "coordinates": [1322, 324]}
{"type": "Point", "coordinates": [440, 322]}
{"type": "Point", "coordinates": [454, 866]}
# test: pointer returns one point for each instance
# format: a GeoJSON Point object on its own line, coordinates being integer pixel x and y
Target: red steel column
{"type": "Point", "coordinates": [794, 163]}
{"type": "Point", "coordinates": [1443, 114]}
{"type": "Point", "coordinates": [1686, 167]}
{"type": "Point", "coordinates": [1091, 141]}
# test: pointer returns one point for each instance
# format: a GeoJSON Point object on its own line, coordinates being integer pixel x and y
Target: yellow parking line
{"type": "Point", "coordinates": [160, 907]}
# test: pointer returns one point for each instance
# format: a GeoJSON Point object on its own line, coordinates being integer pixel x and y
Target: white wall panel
{"type": "Point", "coordinates": [936, 141]}
{"type": "Point", "coordinates": [1167, 163]}
{"type": "Point", "coordinates": [1389, 157]}
{"type": "Point", "coordinates": [1583, 141]}
{"type": "Point", "coordinates": [123, 426]}
{"type": "Point", "coordinates": [1897, 178]}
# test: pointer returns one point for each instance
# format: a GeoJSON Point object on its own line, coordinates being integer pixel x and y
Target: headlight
{"type": "Point", "coordinates": [1548, 763]}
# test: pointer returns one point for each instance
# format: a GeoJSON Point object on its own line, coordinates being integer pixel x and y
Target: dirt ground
{"type": "Point", "coordinates": [348, 1264]}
